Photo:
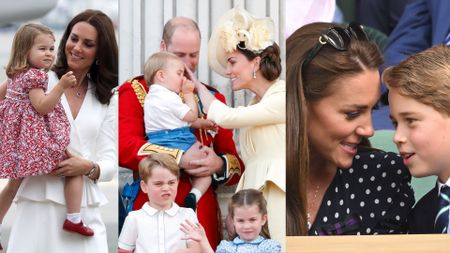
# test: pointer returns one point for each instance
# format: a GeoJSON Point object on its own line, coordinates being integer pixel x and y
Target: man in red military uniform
{"type": "Point", "coordinates": [181, 36]}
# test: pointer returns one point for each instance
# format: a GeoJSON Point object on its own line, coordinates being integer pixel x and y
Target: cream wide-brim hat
{"type": "Point", "coordinates": [238, 25]}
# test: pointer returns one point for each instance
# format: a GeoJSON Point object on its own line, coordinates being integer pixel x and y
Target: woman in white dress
{"type": "Point", "coordinates": [89, 49]}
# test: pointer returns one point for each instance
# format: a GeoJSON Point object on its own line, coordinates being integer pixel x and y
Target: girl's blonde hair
{"type": "Point", "coordinates": [22, 44]}
{"type": "Point", "coordinates": [249, 197]}
{"type": "Point", "coordinates": [425, 77]}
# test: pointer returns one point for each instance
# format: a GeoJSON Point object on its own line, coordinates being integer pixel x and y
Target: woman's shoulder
{"type": "Point", "coordinates": [377, 164]}
{"type": "Point", "coordinates": [379, 159]}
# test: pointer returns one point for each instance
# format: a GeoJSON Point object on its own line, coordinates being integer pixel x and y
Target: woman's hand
{"type": "Point", "coordinates": [192, 77]}
{"type": "Point", "coordinates": [72, 166]}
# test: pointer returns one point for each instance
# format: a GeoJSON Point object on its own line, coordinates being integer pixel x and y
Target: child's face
{"type": "Point", "coordinates": [173, 75]}
{"type": "Point", "coordinates": [248, 222]}
{"type": "Point", "coordinates": [161, 188]}
{"type": "Point", "coordinates": [422, 136]}
{"type": "Point", "coordinates": [42, 53]}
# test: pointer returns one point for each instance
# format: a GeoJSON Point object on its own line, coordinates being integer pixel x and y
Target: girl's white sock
{"type": "Point", "coordinates": [74, 217]}
{"type": "Point", "coordinates": [198, 194]}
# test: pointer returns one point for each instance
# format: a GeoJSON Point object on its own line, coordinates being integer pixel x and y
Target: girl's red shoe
{"type": "Point", "coordinates": [78, 228]}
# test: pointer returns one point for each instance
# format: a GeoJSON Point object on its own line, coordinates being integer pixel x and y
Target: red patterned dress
{"type": "Point", "coordinates": [31, 144]}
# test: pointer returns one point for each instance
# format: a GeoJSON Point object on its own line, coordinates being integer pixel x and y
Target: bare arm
{"type": "Point", "coordinates": [189, 100]}
{"type": "Point", "coordinates": [196, 233]}
{"type": "Point", "coordinates": [207, 124]}
{"type": "Point", "coordinates": [46, 103]}
{"type": "Point", "coordinates": [192, 247]}
{"type": "Point", "coordinates": [205, 96]}
{"type": "Point", "coordinates": [124, 251]}
{"type": "Point", "coordinates": [3, 87]}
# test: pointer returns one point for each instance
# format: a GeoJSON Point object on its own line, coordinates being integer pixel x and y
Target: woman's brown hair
{"type": "Point", "coordinates": [104, 71]}
{"type": "Point", "coordinates": [306, 84]}
{"type": "Point", "coordinates": [270, 65]}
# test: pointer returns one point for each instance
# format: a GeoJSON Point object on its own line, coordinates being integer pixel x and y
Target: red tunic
{"type": "Point", "coordinates": [132, 140]}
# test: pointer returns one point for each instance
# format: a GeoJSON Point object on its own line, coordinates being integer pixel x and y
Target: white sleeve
{"type": "Point", "coordinates": [177, 106]}
{"type": "Point", "coordinates": [129, 234]}
{"type": "Point", "coordinates": [271, 110]}
{"type": "Point", "coordinates": [107, 143]}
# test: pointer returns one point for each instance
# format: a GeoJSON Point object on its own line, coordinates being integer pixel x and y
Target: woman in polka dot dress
{"type": "Point", "coordinates": [336, 184]}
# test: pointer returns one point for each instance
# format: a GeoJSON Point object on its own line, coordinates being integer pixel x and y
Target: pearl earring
{"type": "Point", "coordinates": [254, 74]}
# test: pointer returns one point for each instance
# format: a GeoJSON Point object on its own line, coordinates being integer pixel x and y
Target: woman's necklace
{"type": "Point", "coordinates": [311, 205]}
{"type": "Point", "coordinates": [79, 89]}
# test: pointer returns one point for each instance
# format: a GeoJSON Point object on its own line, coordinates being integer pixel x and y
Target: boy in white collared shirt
{"type": "Point", "coordinates": [155, 227]}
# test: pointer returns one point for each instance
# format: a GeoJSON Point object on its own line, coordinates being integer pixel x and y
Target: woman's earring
{"type": "Point", "coordinates": [254, 74]}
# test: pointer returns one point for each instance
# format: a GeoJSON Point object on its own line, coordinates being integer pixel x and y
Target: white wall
{"type": "Point", "coordinates": [141, 23]}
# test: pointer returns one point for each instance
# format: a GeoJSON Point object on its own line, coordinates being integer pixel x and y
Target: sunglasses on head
{"type": "Point", "coordinates": [337, 37]}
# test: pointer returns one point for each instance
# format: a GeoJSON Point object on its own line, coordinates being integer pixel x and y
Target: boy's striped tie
{"type": "Point", "coordinates": [447, 40]}
{"type": "Point", "coordinates": [441, 221]}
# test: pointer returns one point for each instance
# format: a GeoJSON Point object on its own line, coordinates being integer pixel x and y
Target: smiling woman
{"type": "Point", "coordinates": [91, 155]}
{"type": "Point", "coordinates": [248, 55]}
{"type": "Point", "coordinates": [344, 186]}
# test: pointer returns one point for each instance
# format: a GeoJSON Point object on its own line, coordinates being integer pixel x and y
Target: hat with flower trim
{"type": "Point", "coordinates": [235, 26]}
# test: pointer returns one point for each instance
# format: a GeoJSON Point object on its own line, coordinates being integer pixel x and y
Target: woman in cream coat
{"type": "Point", "coordinates": [91, 109]}
{"type": "Point", "coordinates": [252, 62]}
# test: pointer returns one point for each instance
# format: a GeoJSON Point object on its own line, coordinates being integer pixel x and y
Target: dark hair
{"type": "Point", "coordinates": [270, 65]}
{"type": "Point", "coordinates": [103, 72]}
{"type": "Point", "coordinates": [249, 197]}
{"type": "Point", "coordinates": [316, 81]}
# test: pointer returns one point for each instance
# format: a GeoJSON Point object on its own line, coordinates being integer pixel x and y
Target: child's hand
{"type": "Point", "coordinates": [68, 80]}
{"type": "Point", "coordinates": [205, 124]}
{"type": "Point", "coordinates": [187, 86]}
{"type": "Point", "coordinates": [192, 231]}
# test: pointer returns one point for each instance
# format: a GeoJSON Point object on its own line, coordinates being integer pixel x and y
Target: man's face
{"type": "Point", "coordinates": [186, 45]}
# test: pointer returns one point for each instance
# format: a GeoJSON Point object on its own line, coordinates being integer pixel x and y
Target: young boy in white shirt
{"type": "Point", "coordinates": [168, 118]}
{"type": "Point", "coordinates": [156, 226]}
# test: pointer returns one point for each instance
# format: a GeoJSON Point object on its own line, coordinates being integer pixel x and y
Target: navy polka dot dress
{"type": "Point", "coordinates": [373, 196]}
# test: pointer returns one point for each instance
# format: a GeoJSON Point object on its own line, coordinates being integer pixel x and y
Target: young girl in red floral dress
{"type": "Point", "coordinates": [35, 131]}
